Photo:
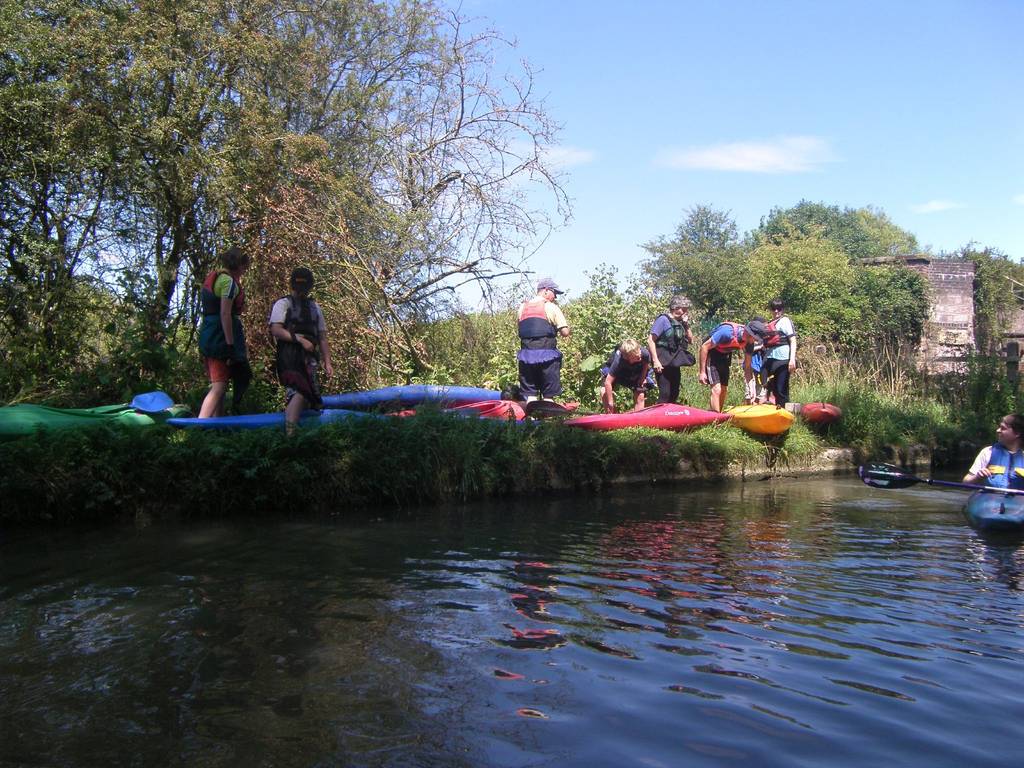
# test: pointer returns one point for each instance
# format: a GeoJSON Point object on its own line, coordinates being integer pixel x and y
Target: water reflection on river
{"type": "Point", "coordinates": [791, 622]}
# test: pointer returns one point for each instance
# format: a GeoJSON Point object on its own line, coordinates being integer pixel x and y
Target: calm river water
{"type": "Point", "coordinates": [780, 623]}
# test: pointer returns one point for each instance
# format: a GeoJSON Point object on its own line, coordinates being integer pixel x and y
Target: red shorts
{"type": "Point", "coordinates": [217, 369]}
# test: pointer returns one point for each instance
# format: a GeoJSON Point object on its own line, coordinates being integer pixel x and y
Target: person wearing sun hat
{"type": "Point", "coordinates": [540, 324]}
{"type": "Point", "coordinates": [297, 324]}
{"type": "Point", "coordinates": [716, 356]}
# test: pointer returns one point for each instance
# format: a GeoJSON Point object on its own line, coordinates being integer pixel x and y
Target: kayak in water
{"type": "Point", "coordinates": [995, 512]}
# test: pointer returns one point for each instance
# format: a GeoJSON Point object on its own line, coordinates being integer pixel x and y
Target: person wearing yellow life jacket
{"type": "Point", "coordinates": [716, 356]}
{"type": "Point", "coordinates": [297, 323]}
{"type": "Point", "coordinates": [221, 338]}
{"type": "Point", "coordinates": [1001, 465]}
{"type": "Point", "coordinates": [779, 353]}
{"type": "Point", "coordinates": [540, 324]}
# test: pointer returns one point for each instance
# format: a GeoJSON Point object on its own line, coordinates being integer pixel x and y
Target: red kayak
{"type": "Point", "coordinates": [492, 409]}
{"type": "Point", "coordinates": [820, 413]}
{"type": "Point", "coordinates": [487, 409]}
{"type": "Point", "coordinates": [664, 416]}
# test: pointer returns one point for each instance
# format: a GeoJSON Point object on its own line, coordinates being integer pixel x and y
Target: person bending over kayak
{"type": "Point", "coordinates": [297, 324]}
{"type": "Point", "coordinates": [669, 347]}
{"type": "Point", "coordinates": [221, 338]}
{"type": "Point", "coordinates": [627, 367]}
{"type": "Point", "coordinates": [541, 322]}
{"type": "Point", "coordinates": [1001, 465]}
{"type": "Point", "coordinates": [716, 357]}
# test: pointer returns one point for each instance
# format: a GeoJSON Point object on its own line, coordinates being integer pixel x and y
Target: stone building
{"type": "Point", "coordinates": [949, 332]}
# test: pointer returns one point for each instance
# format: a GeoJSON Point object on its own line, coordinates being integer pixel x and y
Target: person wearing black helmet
{"type": "Point", "coordinates": [716, 356]}
{"type": "Point", "coordinates": [298, 326]}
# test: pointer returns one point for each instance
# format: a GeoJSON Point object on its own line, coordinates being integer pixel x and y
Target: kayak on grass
{"type": "Point", "coordinates": [21, 420]}
{"type": "Point", "coordinates": [266, 420]}
{"type": "Point", "coordinates": [508, 410]}
{"type": "Point", "coordinates": [663, 416]}
{"type": "Point", "coordinates": [820, 413]}
{"type": "Point", "coordinates": [995, 512]}
{"type": "Point", "coordinates": [761, 419]}
{"type": "Point", "coordinates": [409, 396]}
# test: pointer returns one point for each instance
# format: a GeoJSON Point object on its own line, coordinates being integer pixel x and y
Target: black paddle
{"type": "Point", "coordinates": [889, 476]}
{"type": "Point", "coordinates": [540, 409]}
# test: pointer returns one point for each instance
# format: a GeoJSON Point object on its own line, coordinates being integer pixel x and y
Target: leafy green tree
{"type": "Point", "coordinates": [861, 233]}
{"type": "Point", "coordinates": [703, 260]}
{"type": "Point", "coordinates": [998, 294]}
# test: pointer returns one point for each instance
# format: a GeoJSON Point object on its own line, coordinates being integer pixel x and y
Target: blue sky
{"type": "Point", "coordinates": [915, 108]}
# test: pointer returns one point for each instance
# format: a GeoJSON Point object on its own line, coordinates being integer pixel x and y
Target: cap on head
{"type": "Point", "coordinates": [301, 280]}
{"type": "Point", "coordinates": [757, 328]}
{"type": "Point", "coordinates": [548, 284]}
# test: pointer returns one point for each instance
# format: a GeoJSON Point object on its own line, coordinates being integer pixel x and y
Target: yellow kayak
{"type": "Point", "coordinates": [761, 419]}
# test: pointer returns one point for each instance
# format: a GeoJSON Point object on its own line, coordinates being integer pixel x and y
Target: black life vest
{"type": "Point", "coordinates": [292, 366]}
{"type": "Point", "coordinates": [672, 347]}
{"type": "Point", "coordinates": [625, 373]}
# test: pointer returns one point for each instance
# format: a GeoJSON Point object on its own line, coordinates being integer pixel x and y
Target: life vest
{"type": "Point", "coordinates": [535, 330]}
{"type": "Point", "coordinates": [626, 374]}
{"type": "Point", "coordinates": [212, 342]}
{"type": "Point", "coordinates": [672, 347]}
{"type": "Point", "coordinates": [738, 340]}
{"type": "Point", "coordinates": [775, 337]}
{"type": "Point", "coordinates": [1010, 463]}
{"type": "Point", "coordinates": [210, 301]}
{"type": "Point", "coordinates": [294, 367]}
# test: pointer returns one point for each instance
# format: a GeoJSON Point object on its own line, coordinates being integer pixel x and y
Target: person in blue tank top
{"type": "Point", "coordinates": [1001, 465]}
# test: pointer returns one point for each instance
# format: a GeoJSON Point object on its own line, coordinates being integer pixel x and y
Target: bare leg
{"type": "Point", "coordinates": [293, 411]}
{"type": "Point", "coordinates": [638, 403]}
{"type": "Point", "coordinates": [718, 395]}
{"type": "Point", "coordinates": [213, 403]}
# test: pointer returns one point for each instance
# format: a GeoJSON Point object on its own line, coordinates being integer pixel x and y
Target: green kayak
{"type": "Point", "coordinates": [21, 420]}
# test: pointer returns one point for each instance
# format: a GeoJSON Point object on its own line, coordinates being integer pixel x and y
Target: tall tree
{"type": "Point", "coordinates": [702, 260]}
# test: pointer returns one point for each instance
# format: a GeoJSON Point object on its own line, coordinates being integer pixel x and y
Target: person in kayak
{"type": "Point", "coordinates": [1001, 465]}
{"type": "Point", "coordinates": [541, 322]}
{"type": "Point", "coordinates": [221, 338]}
{"type": "Point", "coordinates": [716, 356]}
{"type": "Point", "coordinates": [779, 353]}
{"type": "Point", "coordinates": [627, 367]}
{"type": "Point", "coordinates": [669, 347]}
{"type": "Point", "coordinates": [297, 324]}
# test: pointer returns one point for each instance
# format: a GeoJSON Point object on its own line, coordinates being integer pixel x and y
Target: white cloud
{"type": "Point", "coordinates": [567, 156]}
{"type": "Point", "coordinates": [786, 154]}
{"type": "Point", "coordinates": [1018, 199]}
{"type": "Point", "coordinates": [934, 206]}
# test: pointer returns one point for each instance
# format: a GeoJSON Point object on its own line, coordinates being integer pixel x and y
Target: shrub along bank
{"type": "Point", "coordinates": [106, 474]}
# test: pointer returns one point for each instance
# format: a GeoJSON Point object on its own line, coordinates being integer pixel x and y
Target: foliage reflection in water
{"type": "Point", "coordinates": [780, 622]}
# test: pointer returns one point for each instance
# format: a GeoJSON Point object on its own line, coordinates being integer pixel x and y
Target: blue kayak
{"type": "Point", "coordinates": [995, 512]}
{"type": "Point", "coordinates": [409, 396]}
{"type": "Point", "coordinates": [265, 420]}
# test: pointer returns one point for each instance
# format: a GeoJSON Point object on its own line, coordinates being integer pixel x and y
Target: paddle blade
{"type": "Point", "coordinates": [542, 409]}
{"type": "Point", "coordinates": [152, 402]}
{"type": "Point", "coordinates": [885, 476]}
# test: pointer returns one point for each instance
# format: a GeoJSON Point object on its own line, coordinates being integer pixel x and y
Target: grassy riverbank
{"type": "Point", "coordinates": [108, 474]}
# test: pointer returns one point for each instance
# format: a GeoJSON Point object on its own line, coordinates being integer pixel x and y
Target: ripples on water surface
{"type": "Point", "coordinates": [772, 623]}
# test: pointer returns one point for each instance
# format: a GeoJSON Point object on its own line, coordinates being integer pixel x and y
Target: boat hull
{"type": "Point", "coordinates": [995, 512]}
{"type": "Point", "coordinates": [761, 419]}
{"type": "Point", "coordinates": [664, 416]}
{"type": "Point", "coordinates": [398, 398]}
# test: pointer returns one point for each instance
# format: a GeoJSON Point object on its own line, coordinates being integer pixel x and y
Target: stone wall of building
{"type": "Point", "coordinates": [949, 333]}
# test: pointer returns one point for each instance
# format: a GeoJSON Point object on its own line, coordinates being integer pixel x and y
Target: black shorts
{"type": "Point", "coordinates": [718, 367]}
